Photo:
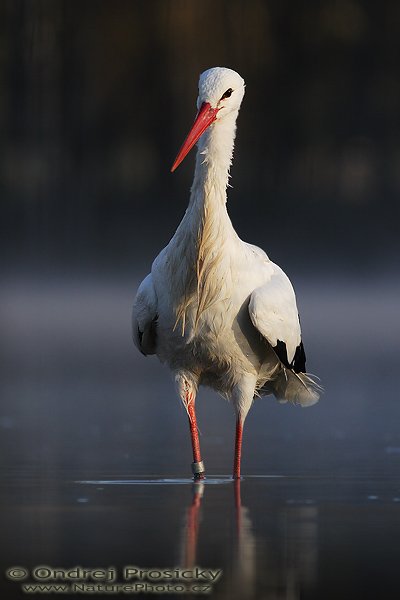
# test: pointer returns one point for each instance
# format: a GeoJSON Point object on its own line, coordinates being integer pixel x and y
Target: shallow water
{"type": "Point", "coordinates": [95, 462]}
{"type": "Point", "coordinates": [280, 537]}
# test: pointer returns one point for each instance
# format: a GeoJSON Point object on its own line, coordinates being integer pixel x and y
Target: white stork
{"type": "Point", "coordinates": [216, 309]}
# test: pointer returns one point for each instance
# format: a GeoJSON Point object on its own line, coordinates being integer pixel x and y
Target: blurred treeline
{"type": "Point", "coordinates": [96, 97]}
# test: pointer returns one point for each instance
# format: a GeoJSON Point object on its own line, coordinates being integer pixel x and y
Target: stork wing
{"type": "Point", "coordinates": [144, 317]}
{"type": "Point", "coordinates": [273, 312]}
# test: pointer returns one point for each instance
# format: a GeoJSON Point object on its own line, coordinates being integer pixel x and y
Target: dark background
{"type": "Point", "coordinates": [96, 98]}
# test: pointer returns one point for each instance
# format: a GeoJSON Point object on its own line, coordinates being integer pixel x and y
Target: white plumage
{"type": "Point", "coordinates": [215, 308]}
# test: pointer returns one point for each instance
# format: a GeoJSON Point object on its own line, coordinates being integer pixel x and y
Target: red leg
{"type": "Point", "coordinates": [238, 448]}
{"type": "Point", "coordinates": [197, 465]}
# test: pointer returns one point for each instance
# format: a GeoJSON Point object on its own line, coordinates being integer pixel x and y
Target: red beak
{"type": "Point", "coordinates": [205, 117]}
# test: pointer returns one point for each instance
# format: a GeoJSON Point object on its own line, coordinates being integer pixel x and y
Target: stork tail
{"type": "Point", "coordinates": [297, 388]}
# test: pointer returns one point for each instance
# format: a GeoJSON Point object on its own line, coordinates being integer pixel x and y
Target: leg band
{"type": "Point", "coordinates": [198, 467]}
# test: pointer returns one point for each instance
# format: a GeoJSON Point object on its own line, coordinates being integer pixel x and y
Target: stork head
{"type": "Point", "coordinates": [221, 92]}
{"type": "Point", "coordinates": [222, 89]}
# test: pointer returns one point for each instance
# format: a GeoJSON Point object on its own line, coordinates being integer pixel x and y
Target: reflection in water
{"type": "Point", "coordinates": [191, 528]}
{"type": "Point", "coordinates": [296, 569]}
{"type": "Point", "coordinates": [244, 559]}
{"type": "Point", "coordinates": [273, 539]}
{"type": "Point", "coordinates": [282, 564]}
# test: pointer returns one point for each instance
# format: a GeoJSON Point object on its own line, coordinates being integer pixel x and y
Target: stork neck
{"type": "Point", "coordinates": [198, 247]}
{"type": "Point", "coordinates": [213, 160]}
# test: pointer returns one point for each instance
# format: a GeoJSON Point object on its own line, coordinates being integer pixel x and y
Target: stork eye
{"type": "Point", "coordinates": [227, 94]}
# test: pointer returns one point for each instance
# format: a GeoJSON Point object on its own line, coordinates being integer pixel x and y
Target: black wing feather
{"type": "Point", "coordinates": [298, 364]}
